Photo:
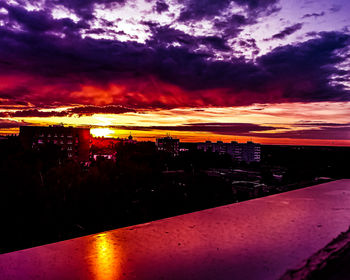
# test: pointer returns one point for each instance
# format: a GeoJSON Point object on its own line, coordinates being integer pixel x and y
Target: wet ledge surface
{"type": "Point", "coordinates": [255, 239]}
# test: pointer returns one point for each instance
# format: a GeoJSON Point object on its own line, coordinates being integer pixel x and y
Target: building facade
{"type": "Point", "coordinates": [169, 145]}
{"type": "Point", "coordinates": [75, 141]}
{"type": "Point", "coordinates": [248, 152]}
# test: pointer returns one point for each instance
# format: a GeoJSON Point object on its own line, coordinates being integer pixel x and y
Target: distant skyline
{"type": "Point", "coordinates": [275, 72]}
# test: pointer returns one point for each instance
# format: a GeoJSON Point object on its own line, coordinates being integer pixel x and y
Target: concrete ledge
{"type": "Point", "coordinates": [256, 239]}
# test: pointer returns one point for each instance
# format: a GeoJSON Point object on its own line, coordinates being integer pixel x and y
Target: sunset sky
{"type": "Point", "coordinates": [271, 71]}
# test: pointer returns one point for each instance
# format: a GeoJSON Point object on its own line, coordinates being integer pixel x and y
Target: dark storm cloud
{"type": "Point", "coordinates": [41, 21]}
{"type": "Point", "coordinates": [218, 128]}
{"type": "Point", "coordinates": [35, 113]}
{"type": "Point", "coordinates": [161, 6]}
{"type": "Point", "coordinates": [216, 43]}
{"type": "Point", "coordinates": [287, 31]}
{"type": "Point", "coordinates": [315, 15]}
{"type": "Point", "coordinates": [58, 67]}
{"type": "Point", "coordinates": [233, 25]}
{"type": "Point", "coordinates": [304, 70]}
{"type": "Point", "coordinates": [196, 10]}
{"type": "Point", "coordinates": [164, 35]}
{"type": "Point", "coordinates": [81, 111]}
{"type": "Point", "coordinates": [207, 9]}
{"type": "Point", "coordinates": [90, 110]}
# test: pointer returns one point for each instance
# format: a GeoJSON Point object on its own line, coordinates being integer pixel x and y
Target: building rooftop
{"type": "Point", "coordinates": [256, 239]}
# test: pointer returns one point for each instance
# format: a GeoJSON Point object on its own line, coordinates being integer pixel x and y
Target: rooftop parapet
{"type": "Point", "coordinates": [256, 239]}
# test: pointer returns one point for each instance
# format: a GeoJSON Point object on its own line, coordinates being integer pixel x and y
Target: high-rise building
{"type": "Point", "coordinates": [75, 141]}
{"type": "Point", "coordinates": [168, 144]}
{"type": "Point", "coordinates": [248, 152]}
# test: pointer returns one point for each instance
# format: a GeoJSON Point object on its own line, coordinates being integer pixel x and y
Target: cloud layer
{"type": "Point", "coordinates": [121, 56]}
{"type": "Point", "coordinates": [47, 62]}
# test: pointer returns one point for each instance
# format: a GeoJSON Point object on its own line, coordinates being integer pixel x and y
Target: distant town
{"type": "Point", "coordinates": [60, 182]}
{"type": "Point", "coordinates": [81, 146]}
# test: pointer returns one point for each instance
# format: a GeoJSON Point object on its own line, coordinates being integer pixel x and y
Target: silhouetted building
{"type": "Point", "coordinates": [74, 140]}
{"type": "Point", "coordinates": [251, 152]}
{"type": "Point", "coordinates": [168, 144]}
{"type": "Point", "coordinates": [248, 152]}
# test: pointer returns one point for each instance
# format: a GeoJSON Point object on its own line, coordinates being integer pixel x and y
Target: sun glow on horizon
{"type": "Point", "coordinates": [102, 132]}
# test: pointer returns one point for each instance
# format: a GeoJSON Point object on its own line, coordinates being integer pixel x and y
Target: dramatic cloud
{"type": "Point", "coordinates": [287, 31]}
{"type": "Point", "coordinates": [147, 76]}
{"type": "Point", "coordinates": [305, 70]}
{"type": "Point", "coordinates": [206, 9]}
{"type": "Point", "coordinates": [117, 56]}
{"type": "Point", "coordinates": [40, 21]}
{"type": "Point", "coordinates": [90, 110]}
{"type": "Point", "coordinates": [161, 6]}
{"type": "Point", "coordinates": [81, 111]}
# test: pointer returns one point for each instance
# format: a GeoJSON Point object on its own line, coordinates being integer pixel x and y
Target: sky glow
{"type": "Point", "coordinates": [274, 71]}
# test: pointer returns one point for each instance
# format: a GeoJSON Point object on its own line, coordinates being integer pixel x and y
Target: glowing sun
{"type": "Point", "coordinates": [102, 132]}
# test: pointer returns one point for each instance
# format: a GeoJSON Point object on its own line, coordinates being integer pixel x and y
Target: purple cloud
{"type": "Point", "coordinates": [81, 111]}
{"type": "Point", "coordinates": [287, 31]}
{"type": "Point", "coordinates": [315, 15]}
{"type": "Point", "coordinates": [161, 6]}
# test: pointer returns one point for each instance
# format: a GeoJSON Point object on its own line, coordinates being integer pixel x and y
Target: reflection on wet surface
{"type": "Point", "coordinates": [255, 239]}
{"type": "Point", "coordinates": [106, 257]}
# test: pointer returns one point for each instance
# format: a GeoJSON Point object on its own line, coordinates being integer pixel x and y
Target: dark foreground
{"type": "Point", "coordinates": [45, 198]}
{"type": "Point", "coordinates": [256, 239]}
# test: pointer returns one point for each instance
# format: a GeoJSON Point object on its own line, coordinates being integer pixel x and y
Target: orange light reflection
{"type": "Point", "coordinates": [105, 257]}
